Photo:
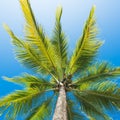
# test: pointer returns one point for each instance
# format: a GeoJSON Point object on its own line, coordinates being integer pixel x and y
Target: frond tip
{"type": "Point", "coordinates": [59, 13]}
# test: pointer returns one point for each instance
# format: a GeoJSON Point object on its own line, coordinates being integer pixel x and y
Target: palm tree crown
{"type": "Point", "coordinates": [90, 86]}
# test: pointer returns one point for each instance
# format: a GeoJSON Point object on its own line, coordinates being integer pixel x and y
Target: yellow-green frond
{"type": "Point", "coordinates": [99, 86]}
{"type": "Point", "coordinates": [98, 96]}
{"type": "Point", "coordinates": [87, 46]}
{"type": "Point", "coordinates": [42, 111]}
{"type": "Point", "coordinates": [58, 14]}
{"type": "Point", "coordinates": [35, 35]}
{"type": "Point", "coordinates": [29, 16]}
{"type": "Point", "coordinates": [29, 55]}
{"type": "Point", "coordinates": [18, 96]}
{"type": "Point", "coordinates": [15, 40]}
{"type": "Point", "coordinates": [102, 95]}
{"type": "Point", "coordinates": [90, 108]}
{"type": "Point", "coordinates": [30, 81]}
{"type": "Point", "coordinates": [60, 43]}
{"type": "Point", "coordinates": [19, 102]}
{"type": "Point", "coordinates": [98, 72]}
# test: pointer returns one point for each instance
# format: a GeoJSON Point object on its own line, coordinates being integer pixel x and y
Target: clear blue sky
{"type": "Point", "coordinates": [75, 13]}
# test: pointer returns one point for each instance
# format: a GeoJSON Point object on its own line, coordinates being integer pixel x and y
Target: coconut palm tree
{"type": "Point", "coordinates": [65, 87]}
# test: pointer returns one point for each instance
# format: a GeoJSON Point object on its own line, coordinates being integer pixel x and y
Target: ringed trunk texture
{"type": "Point", "coordinates": [61, 106]}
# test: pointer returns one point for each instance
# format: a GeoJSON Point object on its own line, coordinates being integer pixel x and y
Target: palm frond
{"type": "Point", "coordinates": [30, 81]}
{"type": "Point", "coordinates": [92, 110]}
{"type": "Point", "coordinates": [19, 102]}
{"type": "Point", "coordinates": [105, 95]}
{"type": "Point", "coordinates": [103, 86]}
{"type": "Point", "coordinates": [73, 114]}
{"type": "Point", "coordinates": [60, 42]}
{"type": "Point", "coordinates": [87, 46]}
{"type": "Point", "coordinates": [18, 96]}
{"type": "Point", "coordinates": [42, 111]}
{"type": "Point", "coordinates": [35, 35]}
{"type": "Point", "coordinates": [98, 72]}
{"type": "Point", "coordinates": [104, 99]}
{"type": "Point", "coordinates": [29, 55]}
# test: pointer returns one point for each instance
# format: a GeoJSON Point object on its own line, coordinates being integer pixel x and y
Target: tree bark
{"type": "Point", "coordinates": [61, 106]}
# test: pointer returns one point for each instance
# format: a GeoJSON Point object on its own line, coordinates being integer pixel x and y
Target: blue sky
{"type": "Point", "coordinates": [74, 15]}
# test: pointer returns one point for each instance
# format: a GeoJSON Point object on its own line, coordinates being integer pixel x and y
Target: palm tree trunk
{"type": "Point", "coordinates": [61, 106]}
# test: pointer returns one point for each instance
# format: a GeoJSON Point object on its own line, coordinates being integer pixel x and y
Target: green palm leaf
{"type": "Point", "coordinates": [42, 111]}
{"type": "Point", "coordinates": [59, 41]}
{"type": "Point", "coordinates": [19, 102]}
{"type": "Point", "coordinates": [92, 111]}
{"type": "Point", "coordinates": [98, 72]}
{"type": "Point", "coordinates": [30, 81]}
{"type": "Point", "coordinates": [104, 99]}
{"type": "Point", "coordinates": [86, 48]}
{"type": "Point", "coordinates": [36, 36]}
{"type": "Point", "coordinates": [28, 55]}
{"type": "Point", "coordinates": [101, 95]}
{"type": "Point", "coordinates": [73, 114]}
